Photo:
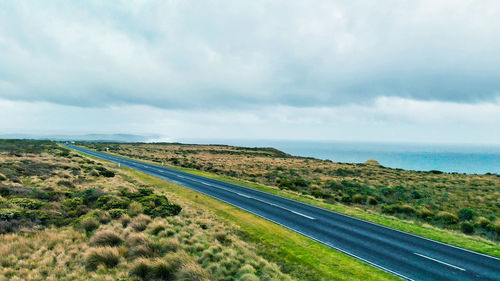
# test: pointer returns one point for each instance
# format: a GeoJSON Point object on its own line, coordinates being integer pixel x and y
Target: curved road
{"type": "Point", "coordinates": [405, 255]}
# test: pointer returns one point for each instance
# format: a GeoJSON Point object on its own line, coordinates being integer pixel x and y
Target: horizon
{"type": "Point", "coordinates": [152, 139]}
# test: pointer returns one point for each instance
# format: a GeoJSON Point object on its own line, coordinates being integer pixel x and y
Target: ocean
{"type": "Point", "coordinates": [471, 159]}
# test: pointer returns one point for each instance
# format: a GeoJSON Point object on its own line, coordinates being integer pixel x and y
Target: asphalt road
{"type": "Point", "coordinates": [405, 255]}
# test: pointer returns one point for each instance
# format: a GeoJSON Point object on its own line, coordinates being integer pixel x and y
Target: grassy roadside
{"type": "Point", "coordinates": [474, 243]}
{"type": "Point", "coordinates": [299, 256]}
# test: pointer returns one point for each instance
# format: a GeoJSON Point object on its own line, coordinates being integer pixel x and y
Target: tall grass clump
{"type": "Point", "coordinates": [140, 223]}
{"type": "Point", "coordinates": [107, 256]}
{"type": "Point", "coordinates": [192, 272]}
{"type": "Point", "coordinates": [89, 224]}
{"type": "Point", "coordinates": [106, 238]}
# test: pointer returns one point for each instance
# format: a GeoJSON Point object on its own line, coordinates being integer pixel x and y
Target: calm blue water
{"type": "Point", "coordinates": [447, 158]}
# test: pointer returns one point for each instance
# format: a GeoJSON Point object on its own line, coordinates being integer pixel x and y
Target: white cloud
{"type": "Point", "coordinates": [205, 54]}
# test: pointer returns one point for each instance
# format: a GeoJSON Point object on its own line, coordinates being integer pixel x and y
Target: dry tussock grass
{"type": "Point", "coordinates": [100, 247]}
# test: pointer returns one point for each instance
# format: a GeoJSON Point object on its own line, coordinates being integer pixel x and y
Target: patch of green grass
{"type": "Point", "coordinates": [302, 257]}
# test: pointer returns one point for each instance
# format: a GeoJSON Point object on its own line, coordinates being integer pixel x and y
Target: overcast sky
{"type": "Point", "coordinates": [405, 71]}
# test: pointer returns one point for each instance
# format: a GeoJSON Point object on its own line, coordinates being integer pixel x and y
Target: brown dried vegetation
{"type": "Point", "coordinates": [83, 237]}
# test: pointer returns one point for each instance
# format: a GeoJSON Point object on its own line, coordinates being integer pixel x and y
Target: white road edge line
{"type": "Point", "coordinates": [441, 262]}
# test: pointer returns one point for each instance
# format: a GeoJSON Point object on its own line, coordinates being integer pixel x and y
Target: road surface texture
{"type": "Point", "coordinates": [405, 255]}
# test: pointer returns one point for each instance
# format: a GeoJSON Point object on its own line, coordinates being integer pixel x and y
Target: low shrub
{"type": "Point", "coordinates": [483, 222]}
{"type": "Point", "coordinates": [66, 183]}
{"type": "Point", "coordinates": [10, 214]}
{"type": "Point", "coordinates": [8, 226]}
{"type": "Point", "coordinates": [346, 198]}
{"type": "Point", "coordinates": [358, 199]}
{"type": "Point", "coordinates": [158, 206]}
{"type": "Point", "coordinates": [50, 217]}
{"type": "Point", "coordinates": [495, 227]}
{"type": "Point", "coordinates": [388, 209]}
{"type": "Point", "coordinates": [102, 216]}
{"type": "Point", "coordinates": [447, 217]}
{"type": "Point", "coordinates": [134, 209]}
{"type": "Point", "coordinates": [318, 193]}
{"type": "Point", "coordinates": [26, 203]}
{"type": "Point", "coordinates": [89, 223]}
{"type": "Point", "coordinates": [108, 202]}
{"type": "Point", "coordinates": [372, 200]}
{"type": "Point", "coordinates": [166, 210]}
{"type": "Point", "coordinates": [466, 214]}
{"type": "Point", "coordinates": [107, 173]}
{"type": "Point", "coordinates": [106, 238]}
{"type": "Point", "coordinates": [72, 203]}
{"type": "Point", "coordinates": [223, 238]}
{"type": "Point", "coordinates": [106, 256]}
{"type": "Point", "coordinates": [340, 172]}
{"type": "Point", "coordinates": [467, 227]}
{"type": "Point", "coordinates": [117, 213]}
{"type": "Point", "coordinates": [104, 172]}
{"type": "Point", "coordinates": [405, 208]}
{"type": "Point", "coordinates": [89, 196]}
{"type": "Point", "coordinates": [425, 213]}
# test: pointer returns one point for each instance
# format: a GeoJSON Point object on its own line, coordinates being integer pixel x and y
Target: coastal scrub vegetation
{"type": "Point", "coordinates": [64, 216]}
{"type": "Point", "coordinates": [467, 203]}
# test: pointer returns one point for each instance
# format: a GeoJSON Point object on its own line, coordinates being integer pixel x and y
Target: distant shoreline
{"type": "Point", "coordinates": [469, 159]}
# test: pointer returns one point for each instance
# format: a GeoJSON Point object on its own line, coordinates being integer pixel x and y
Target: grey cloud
{"type": "Point", "coordinates": [226, 54]}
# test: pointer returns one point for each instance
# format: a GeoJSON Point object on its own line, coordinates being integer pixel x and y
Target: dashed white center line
{"type": "Point", "coordinates": [438, 261]}
{"type": "Point", "coordinates": [274, 205]}
{"type": "Point", "coordinates": [257, 199]}
{"type": "Point", "coordinates": [244, 195]}
{"type": "Point", "coordinates": [300, 214]}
